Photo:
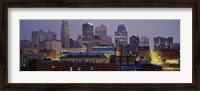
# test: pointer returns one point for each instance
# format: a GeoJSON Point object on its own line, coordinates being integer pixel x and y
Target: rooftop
{"type": "Point", "coordinates": [84, 55]}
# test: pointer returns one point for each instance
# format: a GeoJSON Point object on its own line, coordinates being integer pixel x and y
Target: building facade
{"type": "Point", "coordinates": [65, 35]}
{"type": "Point", "coordinates": [87, 35]}
{"type": "Point", "coordinates": [55, 45]}
{"type": "Point", "coordinates": [121, 35]}
{"type": "Point", "coordinates": [161, 43]}
{"type": "Point", "coordinates": [90, 57]}
{"type": "Point", "coordinates": [101, 31]}
{"type": "Point", "coordinates": [73, 66]}
{"type": "Point", "coordinates": [105, 49]}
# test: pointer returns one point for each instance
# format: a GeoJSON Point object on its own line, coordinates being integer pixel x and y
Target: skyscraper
{"type": "Point", "coordinates": [87, 35]}
{"type": "Point", "coordinates": [65, 35]}
{"type": "Point", "coordinates": [121, 36]}
{"type": "Point", "coordinates": [135, 40]}
{"type": "Point", "coordinates": [101, 31]}
{"type": "Point", "coordinates": [35, 38]}
{"type": "Point", "coordinates": [132, 48]}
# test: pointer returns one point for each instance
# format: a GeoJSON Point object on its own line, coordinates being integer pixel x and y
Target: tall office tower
{"type": "Point", "coordinates": [65, 35]}
{"type": "Point", "coordinates": [35, 38]}
{"type": "Point", "coordinates": [87, 35]}
{"type": "Point", "coordinates": [134, 44]}
{"type": "Point", "coordinates": [101, 31]}
{"type": "Point", "coordinates": [121, 36]}
{"type": "Point", "coordinates": [134, 40]}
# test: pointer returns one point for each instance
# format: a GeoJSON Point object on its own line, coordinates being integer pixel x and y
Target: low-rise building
{"type": "Point", "coordinates": [91, 57]}
{"type": "Point", "coordinates": [73, 66]}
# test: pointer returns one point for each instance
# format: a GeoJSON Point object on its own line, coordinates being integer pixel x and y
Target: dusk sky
{"type": "Point", "coordinates": [149, 28]}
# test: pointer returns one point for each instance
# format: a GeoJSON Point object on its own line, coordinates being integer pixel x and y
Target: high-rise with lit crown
{"type": "Point", "coordinates": [65, 35]}
{"type": "Point", "coordinates": [121, 36]}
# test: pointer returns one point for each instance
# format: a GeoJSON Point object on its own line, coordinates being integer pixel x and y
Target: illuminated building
{"type": "Point", "coordinates": [122, 61]}
{"type": "Point", "coordinates": [105, 49]}
{"type": "Point", "coordinates": [144, 48]}
{"type": "Point", "coordinates": [171, 59]}
{"type": "Point", "coordinates": [55, 45]}
{"type": "Point", "coordinates": [121, 35]}
{"type": "Point", "coordinates": [48, 54]}
{"type": "Point", "coordinates": [119, 50]}
{"type": "Point", "coordinates": [163, 43]}
{"type": "Point", "coordinates": [87, 35]}
{"type": "Point", "coordinates": [71, 50]}
{"type": "Point", "coordinates": [130, 50]}
{"type": "Point", "coordinates": [101, 31]}
{"type": "Point", "coordinates": [92, 57]}
{"type": "Point", "coordinates": [65, 35]}
{"type": "Point", "coordinates": [51, 65]}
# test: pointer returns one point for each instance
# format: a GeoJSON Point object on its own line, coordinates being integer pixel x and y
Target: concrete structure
{"type": "Point", "coordinates": [65, 35]}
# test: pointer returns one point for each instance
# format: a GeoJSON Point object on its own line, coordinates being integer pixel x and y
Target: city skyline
{"type": "Point", "coordinates": [164, 28]}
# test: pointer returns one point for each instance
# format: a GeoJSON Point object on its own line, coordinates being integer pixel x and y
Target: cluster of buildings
{"type": "Point", "coordinates": [95, 51]}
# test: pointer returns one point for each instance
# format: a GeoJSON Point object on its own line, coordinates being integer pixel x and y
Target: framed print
{"type": "Point", "coordinates": [100, 44]}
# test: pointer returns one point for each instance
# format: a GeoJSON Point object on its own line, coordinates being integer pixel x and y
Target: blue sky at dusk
{"type": "Point", "coordinates": [149, 28]}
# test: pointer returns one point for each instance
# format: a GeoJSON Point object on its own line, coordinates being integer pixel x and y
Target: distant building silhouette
{"type": "Point", "coordinates": [65, 35]}
{"type": "Point", "coordinates": [121, 35]}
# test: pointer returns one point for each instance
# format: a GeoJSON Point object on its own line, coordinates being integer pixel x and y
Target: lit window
{"type": "Point", "coordinates": [53, 67]}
